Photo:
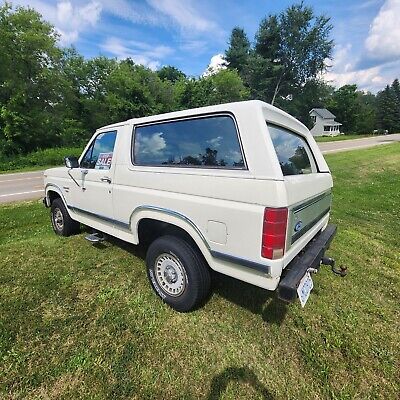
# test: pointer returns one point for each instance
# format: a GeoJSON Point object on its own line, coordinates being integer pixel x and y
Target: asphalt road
{"type": "Point", "coordinates": [343, 145]}
{"type": "Point", "coordinates": [21, 186]}
{"type": "Point", "coordinates": [29, 185]}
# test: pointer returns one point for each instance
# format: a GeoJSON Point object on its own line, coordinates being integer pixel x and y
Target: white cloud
{"type": "Point", "coordinates": [140, 52]}
{"type": "Point", "coordinates": [185, 14]}
{"type": "Point", "coordinates": [69, 20]}
{"type": "Point", "coordinates": [180, 14]}
{"type": "Point", "coordinates": [344, 71]}
{"type": "Point", "coordinates": [384, 34]}
{"type": "Point", "coordinates": [368, 79]}
{"type": "Point", "coordinates": [217, 63]}
{"type": "Point", "coordinates": [130, 11]}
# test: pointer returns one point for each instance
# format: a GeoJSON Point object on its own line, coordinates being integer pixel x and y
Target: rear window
{"type": "Point", "coordinates": [208, 142]}
{"type": "Point", "coordinates": [292, 150]}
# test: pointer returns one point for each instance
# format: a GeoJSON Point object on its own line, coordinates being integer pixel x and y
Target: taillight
{"type": "Point", "coordinates": [274, 233]}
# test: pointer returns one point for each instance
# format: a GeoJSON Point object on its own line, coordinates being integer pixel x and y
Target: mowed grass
{"type": "Point", "coordinates": [80, 322]}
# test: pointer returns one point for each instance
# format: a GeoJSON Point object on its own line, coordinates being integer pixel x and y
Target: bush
{"type": "Point", "coordinates": [47, 157]}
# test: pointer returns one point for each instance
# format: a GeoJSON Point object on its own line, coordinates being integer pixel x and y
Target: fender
{"type": "Point", "coordinates": [172, 217]}
{"type": "Point", "coordinates": [182, 221]}
{"type": "Point", "coordinates": [52, 187]}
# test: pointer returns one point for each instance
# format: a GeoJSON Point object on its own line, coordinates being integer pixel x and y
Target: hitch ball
{"type": "Point", "coordinates": [342, 270]}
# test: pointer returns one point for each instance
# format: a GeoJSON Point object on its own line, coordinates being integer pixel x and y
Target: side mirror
{"type": "Point", "coordinates": [71, 162]}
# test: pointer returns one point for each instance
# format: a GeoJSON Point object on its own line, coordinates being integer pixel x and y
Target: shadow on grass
{"type": "Point", "coordinates": [221, 381]}
{"type": "Point", "coordinates": [243, 294]}
{"type": "Point", "coordinates": [135, 250]}
{"type": "Point", "coordinates": [250, 297]}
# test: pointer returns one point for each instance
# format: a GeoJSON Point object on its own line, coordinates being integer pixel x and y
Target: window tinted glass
{"type": "Point", "coordinates": [292, 151]}
{"type": "Point", "coordinates": [210, 142]}
{"type": "Point", "coordinates": [99, 155]}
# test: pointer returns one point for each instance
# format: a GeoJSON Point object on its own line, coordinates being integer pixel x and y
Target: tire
{"type": "Point", "coordinates": [62, 223]}
{"type": "Point", "coordinates": [177, 273]}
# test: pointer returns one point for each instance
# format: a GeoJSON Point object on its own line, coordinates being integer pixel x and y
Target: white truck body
{"type": "Point", "coordinates": [220, 208]}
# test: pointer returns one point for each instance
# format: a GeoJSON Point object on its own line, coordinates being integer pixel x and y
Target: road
{"type": "Point", "coordinates": [21, 186]}
{"type": "Point", "coordinates": [343, 145]}
{"type": "Point", "coordinates": [29, 185]}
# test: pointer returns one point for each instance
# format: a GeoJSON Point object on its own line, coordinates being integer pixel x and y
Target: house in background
{"type": "Point", "coordinates": [324, 123]}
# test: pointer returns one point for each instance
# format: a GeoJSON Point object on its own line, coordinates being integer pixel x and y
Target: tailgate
{"type": "Point", "coordinates": [303, 216]}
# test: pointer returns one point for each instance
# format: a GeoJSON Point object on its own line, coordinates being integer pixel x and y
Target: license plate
{"type": "Point", "coordinates": [304, 289]}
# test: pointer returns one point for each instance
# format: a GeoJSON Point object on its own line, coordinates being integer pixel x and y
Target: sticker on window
{"type": "Point", "coordinates": [104, 161]}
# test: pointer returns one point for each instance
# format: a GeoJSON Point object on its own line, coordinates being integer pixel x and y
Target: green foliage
{"type": "Point", "coordinates": [29, 80]}
{"type": "Point", "coordinates": [388, 110]}
{"type": "Point", "coordinates": [314, 94]}
{"type": "Point", "coordinates": [52, 97]}
{"type": "Point", "coordinates": [344, 105]}
{"type": "Point", "coordinates": [290, 49]}
{"type": "Point", "coordinates": [170, 73]}
{"type": "Point", "coordinates": [45, 158]}
{"type": "Point", "coordinates": [222, 87]}
{"type": "Point", "coordinates": [237, 54]}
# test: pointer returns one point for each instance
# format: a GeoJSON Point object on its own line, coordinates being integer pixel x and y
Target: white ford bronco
{"type": "Point", "coordinates": [239, 188]}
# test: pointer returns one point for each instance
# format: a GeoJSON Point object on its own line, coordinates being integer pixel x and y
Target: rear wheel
{"type": "Point", "coordinates": [61, 221]}
{"type": "Point", "coordinates": [177, 273]}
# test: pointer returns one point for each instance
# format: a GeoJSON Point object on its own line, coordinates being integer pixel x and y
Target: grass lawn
{"type": "Point", "coordinates": [79, 322]}
{"type": "Point", "coordinates": [322, 139]}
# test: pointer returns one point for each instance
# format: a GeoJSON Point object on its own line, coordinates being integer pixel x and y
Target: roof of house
{"type": "Point", "coordinates": [323, 113]}
{"type": "Point", "coordinates": [329, 123]}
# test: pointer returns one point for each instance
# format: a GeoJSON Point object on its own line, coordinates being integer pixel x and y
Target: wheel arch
{"type": "Point", "coordinates": [169, 220]}
{"type": "Point", "coordinates": [53, 192]}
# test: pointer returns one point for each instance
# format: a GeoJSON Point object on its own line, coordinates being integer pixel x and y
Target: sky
{"type": "Point", "coordinates": [188, 33]}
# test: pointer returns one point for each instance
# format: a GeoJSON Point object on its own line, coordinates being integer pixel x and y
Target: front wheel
{"type": "Point", "coordinates": [177, 273]}
{"type": "Point", "coordinates": [61, 221]}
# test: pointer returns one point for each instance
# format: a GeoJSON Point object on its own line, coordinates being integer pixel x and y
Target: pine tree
{"type": "Point", "coordinates": [387, 109]}
{"type": "Point", "coordinates": [395, 88]}
{"type": "Point", "coordinates": [238, 51]}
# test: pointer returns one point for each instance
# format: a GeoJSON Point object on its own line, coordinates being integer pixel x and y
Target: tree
{"type": "Point", "coordinates": [223, 87]}
{"type": "Point", "coordinates": [314, 94]}
{"type": "Point", "coordinates": [238, 51]}
{"type": "Point", "coordinates": [170, 73]}
{"type": "Point", "coordinates": [387, 109]}
{"type": "Point", "coordinates": [29, 80]}
{"type": "Point", "coordinates": [345, 106]}
{"type": "Point", "coordinates": [294, 46]}
{"type": "Point", "coordinates": [267, 65]}
{"type": "Point", "coordinates": [395, 88]}
{"type": "Point", "coordinates": [227, 87]}
{"type": "Point", "coordinates": [366, 118]}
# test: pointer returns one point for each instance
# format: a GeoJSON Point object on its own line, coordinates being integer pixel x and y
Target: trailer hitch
{"type": "Point", "coordinates": [341, 271]}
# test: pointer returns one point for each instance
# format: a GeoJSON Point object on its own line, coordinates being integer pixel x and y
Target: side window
{"type": "Point", "coordinates": [99, 154]}
{"type": "Point", "coordinates": [293, 152]}
{"type": "Point", "coordinates": [203, 142]}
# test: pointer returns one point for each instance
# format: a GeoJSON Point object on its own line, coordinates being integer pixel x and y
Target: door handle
{"type": "Point", "coordinates": [105, 179]}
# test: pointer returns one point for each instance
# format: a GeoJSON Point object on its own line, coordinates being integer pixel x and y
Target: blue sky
{"type": "Point", "coordinates": [188, 33]}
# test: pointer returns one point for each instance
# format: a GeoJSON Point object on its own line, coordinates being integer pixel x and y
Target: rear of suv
{"type": "Point", "coordinates": [238, 188]}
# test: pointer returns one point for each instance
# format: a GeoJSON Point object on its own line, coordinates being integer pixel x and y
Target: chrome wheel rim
{"type": "Point", "coordinates": [170, 274]}
{"type": "Point", "coordinates": [58, 219]}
